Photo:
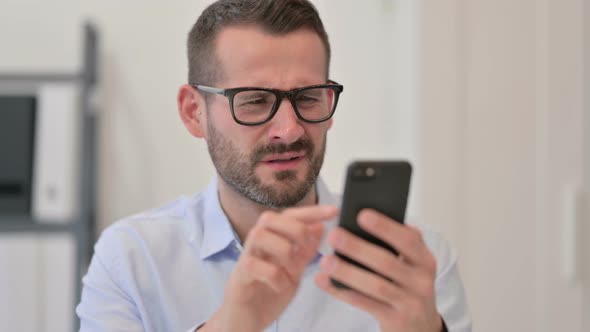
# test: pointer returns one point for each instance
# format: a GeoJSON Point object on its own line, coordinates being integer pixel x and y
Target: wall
{"type": "Point", "coordinates": [500, 139]}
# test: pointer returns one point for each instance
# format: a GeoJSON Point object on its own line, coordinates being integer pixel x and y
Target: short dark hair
{"type": "Point", "coordinates": [277, 17]}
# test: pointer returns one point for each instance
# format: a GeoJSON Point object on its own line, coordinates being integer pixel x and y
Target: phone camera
{"type": "Point", "coordinates": [364, 172]}
{"type": "Point", "coordinates": [358, 172]}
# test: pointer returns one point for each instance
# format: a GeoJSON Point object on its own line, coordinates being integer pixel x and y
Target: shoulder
{"type": "Point", "coordinates": [445, 255]}
{"type": "Point", "coordinates": [154, 230]}
{"type": "Point", "coordinates": [450, 293]}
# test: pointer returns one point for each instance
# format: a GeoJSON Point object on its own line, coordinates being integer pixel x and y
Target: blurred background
{"type": "Point", "coordinates": [489, 99]}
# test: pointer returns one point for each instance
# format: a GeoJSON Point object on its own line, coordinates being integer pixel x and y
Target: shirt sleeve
{"type": "Point", "coordinates": [104, 305]}
{"type": "Point", "coordinates": [451, 301]}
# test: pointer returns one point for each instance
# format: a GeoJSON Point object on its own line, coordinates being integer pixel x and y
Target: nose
{"type": "Point", "coordinates": [285, 126]}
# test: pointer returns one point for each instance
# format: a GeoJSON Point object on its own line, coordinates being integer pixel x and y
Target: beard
{"type": "Point", "coordinates": [238, 170]}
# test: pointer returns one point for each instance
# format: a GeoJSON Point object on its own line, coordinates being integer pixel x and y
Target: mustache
{"type": "Point", "coordinates": [303, 144]}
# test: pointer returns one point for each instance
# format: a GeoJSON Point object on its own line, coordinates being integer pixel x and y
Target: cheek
{"type": "Point", "coordinates": [245, 139]}
{"type": "Point", "coordinates": [318, 134]}
{"type": "Point", "coordinates": [220, 120]}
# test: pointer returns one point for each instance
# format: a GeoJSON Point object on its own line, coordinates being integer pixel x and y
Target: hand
{"type": "Point", "coordinates": [402, 297]}
{"type": "Point", "coordinates": [268, 272]}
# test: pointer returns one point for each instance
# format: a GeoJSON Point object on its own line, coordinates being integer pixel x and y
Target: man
{"type": "Point", "coordinates": [252, 252]}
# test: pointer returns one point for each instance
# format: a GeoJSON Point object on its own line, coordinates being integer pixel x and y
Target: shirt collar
{"type": "Point", "coordinates": [218, 233]}
{"type": "Point", "coordinates": [325, 197]}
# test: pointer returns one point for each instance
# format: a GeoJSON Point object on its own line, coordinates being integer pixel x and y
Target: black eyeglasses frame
{"type": "Point", "coordinates": [280, 95]}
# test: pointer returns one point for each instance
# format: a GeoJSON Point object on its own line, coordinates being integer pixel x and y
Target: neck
{"type": "Point", "coordinates": [243, 212]}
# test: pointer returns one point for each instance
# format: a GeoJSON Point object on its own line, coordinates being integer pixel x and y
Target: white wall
{"type": "Point", "coordinates": [500, 140]}
{"type": "Point", "coordinates": [374, 52]}
{"type": "Point", "coordinates": [36, 282]}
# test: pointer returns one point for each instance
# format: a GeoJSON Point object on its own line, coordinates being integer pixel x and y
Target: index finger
{"type": "Point", "coordinates": [313, 213]}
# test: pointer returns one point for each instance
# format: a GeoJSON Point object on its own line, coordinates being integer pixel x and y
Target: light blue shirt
{"type": "Point", "coordinates": [166, 270]}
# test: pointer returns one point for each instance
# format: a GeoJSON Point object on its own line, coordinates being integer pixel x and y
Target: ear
{"type": "Point", "coordinates": [192, 110]}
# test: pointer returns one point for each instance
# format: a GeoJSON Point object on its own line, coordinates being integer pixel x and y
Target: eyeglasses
{"type": "Point", "coordinates": [252, 106]}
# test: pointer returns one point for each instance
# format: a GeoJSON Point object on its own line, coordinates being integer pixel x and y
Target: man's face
{"type": "Point", "coordinates": [277, 163]}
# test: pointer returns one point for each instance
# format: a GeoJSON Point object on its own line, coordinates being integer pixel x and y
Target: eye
{"type": "Point", "coordinates": [253, 98]}
{"type": "Point", "coordinates": [306, 97]}
{"type": "Point", "coordinates": [256, 101]}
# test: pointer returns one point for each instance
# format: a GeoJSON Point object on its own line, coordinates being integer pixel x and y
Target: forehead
{"type": "Point", "coordinates": [250, 56]}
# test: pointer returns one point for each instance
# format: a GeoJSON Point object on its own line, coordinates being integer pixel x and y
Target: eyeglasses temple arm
{"type": "Point", "coordinates": [210, 89]}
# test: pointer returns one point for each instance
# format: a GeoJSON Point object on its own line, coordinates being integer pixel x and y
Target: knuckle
{"type": "Point", "coordinates": [284, 248]}
{"type": "Point", "coordinates": [404, 242]}
{"type": "Point", "coordinates": [300, 230]}
{"type": "Point", "coordinates": [266, 217]}
{"type": "Point", "coordinates": [411, 239]}
{"type": "Point", "coordinates": [414, 236]}
{"type": "Point", "coordinates": [413, 229]}
{"type": "Point", "coordinates": [255, 233]}
{"type": "Point", "coordinates": [248, 262]}
{"type": "Point", "coordinates": [384, 289]}
{"type": "Point", "coordinates": [431, 264]}
{"type": "Point", "coordinates": [274, 273]}
{"type": "Point", "coordinates": [390, 263]}
{"type": "Point", "coordinates": [426, 287]}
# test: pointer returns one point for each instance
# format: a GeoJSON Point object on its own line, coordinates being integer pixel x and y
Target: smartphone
{"type": "Point", "coordinates": [380, 185]}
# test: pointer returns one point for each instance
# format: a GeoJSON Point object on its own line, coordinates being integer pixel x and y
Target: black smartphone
{"type": "Point", "coordinates": [380, 185]}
